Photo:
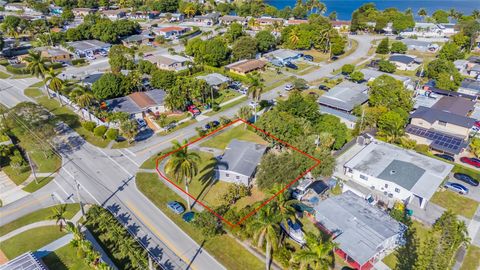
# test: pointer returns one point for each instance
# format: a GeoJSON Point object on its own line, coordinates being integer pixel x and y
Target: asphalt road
{"type": "Point", "coordinates": [11, 90]}
{"type": "Point", "coordinates": [106, 177]}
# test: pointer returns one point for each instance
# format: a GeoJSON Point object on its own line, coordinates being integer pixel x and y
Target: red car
{"type": "Point", "coordinates": [472, 161]}
{"type": "Point", "coordinates": [193, 110]}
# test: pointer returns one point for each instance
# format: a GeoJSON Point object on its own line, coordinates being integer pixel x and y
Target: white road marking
{"type": "Point", "coordinates": [132, 153]}
{"type": "Point", "coordinates": [82, 186]}
{"type": "Point", "coordinates": [58, 197]}
{"type": "Point", "coordinates": [133, 161]}
{"type": "Point", "coordinates": [120, 166]}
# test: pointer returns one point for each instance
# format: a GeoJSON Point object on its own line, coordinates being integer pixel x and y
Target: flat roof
{"type": "Point", "coordinates": [373, 74]}
{"type": "Point", "coordinates": [359, 228]}
{"type": "Point", "coordinates": [214, 79]}
{"type": "Point", "coordinates": [413, 171]}
{"type": "Point", "coordinates": [283, 54]}
{"type": "Point", "coordinates": [345, 96]}
{"type": "Point", "coordinates": [84, 45]}
{"type": "Point", "coordinates": [241, 157]}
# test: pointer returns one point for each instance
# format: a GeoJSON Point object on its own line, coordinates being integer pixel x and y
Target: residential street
{"type": "Point", "coordinates": [106, 176]}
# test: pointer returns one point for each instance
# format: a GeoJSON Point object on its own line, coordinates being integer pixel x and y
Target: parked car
{"type": "Point", "coordinates": [188, 216]}
{"type": "Point", "coordinates": [236, 85]}
{"type": "Point", "coordinates": [334, 58]}
{"type": "Point", "coordinates": [170, 126]}
{"type": "Point", "coordinates": [253, 104]}
{"type": "Point", "coordinates": [243, 90]}
{"type": "Point", "coordinates": [176, 207]}
{"type": "Point", "coordinates": [456, 187]}
{"type": "Point", "coordinates": [91, 57]}
{"type": "Point", "coordinates": [291, 65]}
{"type": "Point", "coordinates": [308, 57]}
{"type": "Point", "coordinates": [472, 161]}
{"type": "Point", "coordinates": [144, 134]}
{"type": "Point", "coordinates": [289, 87]}
{"type": "Point", "coordinates": [446, 157]}
{"type": "Point", "coordinates": [212, 124]}
{"type": "Point", "coordinates": [323, 87]}
{"type": "Point", "coordinates": [193, 110]}
{"type": "Point", "coordinates": [141, 123]}
{"type": "Point", "coordinates": [103, 53]}
{"type": "Point", "coordinates": [477, 124]}
{"type": "Point", "coordinates": [466, 178]}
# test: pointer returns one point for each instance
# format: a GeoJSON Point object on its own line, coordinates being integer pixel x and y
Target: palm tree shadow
{"type": "Point", "coordinates": [207, 178]}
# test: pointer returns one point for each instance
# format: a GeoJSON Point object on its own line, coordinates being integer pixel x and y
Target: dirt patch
{"type": "Point", "coordinates": [3, 258]}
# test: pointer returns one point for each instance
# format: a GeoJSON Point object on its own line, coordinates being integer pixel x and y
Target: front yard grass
{"type": "Point", "coordinates": [32, 187]}
{"type": "Point", "coordinates": [39, 215]}
{"type": "Point", "coordinates": [50, 163]}
{"type": "Point", "coordinates": [223, 247]}
{"type": "Point", "coordinates": [32, 92]}
{"type": "Point", "coordinates": [223, 138]}
{"type": "Point", "coordinates": [19, 175]}
{"type": "Point", "coordinates": [227, 106]}
{"type": "Point", "coordinates": [30, 240]}
{"type": "Point", "coordinates": [472, 259]}
{"type": "Point", "coordinates": [65, 258]}
{"type": "Point", "coordinates": [4, 75]}
{"type": "Point", "coordinates": [459, 204]}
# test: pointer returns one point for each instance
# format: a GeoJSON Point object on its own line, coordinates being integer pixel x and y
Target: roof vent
{"type": "Point", "coordinates": [393, 172]}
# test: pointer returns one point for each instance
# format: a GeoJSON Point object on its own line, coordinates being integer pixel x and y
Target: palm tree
{"type": "Point", "coordinates": [54, 82]}
{"type": "Point", "coordinates": [244, 113]}
{"type": "Point", "coordinates": [76, 231]}
{"type": "Point", "coordinates": [59, 214]}
{"type": "Point", "coordinates": [36, 66]}
{"type": "Point", "coordinates": [317, 253]}
{"type": "Point", "coordinates": [283, 204]}
{"type": "Point", "coordinates": [190, 10]}
{"type": "Point", "coordinates": [83, 97]}
{"type": "Point", "coordinates": [293, 36]}
{"type": "Point", "coordinates": [476, 14]}
{"type": "Point", "coordinates": [266, 229]}
{"type": "Point", "coordinates": [321, 7]}
{"type": "Point", "coordinates": [422, 13]}
{"type": "Point", "coordinates": [255, 90]}
{"type": "Point", "coordinates": [183, 165]}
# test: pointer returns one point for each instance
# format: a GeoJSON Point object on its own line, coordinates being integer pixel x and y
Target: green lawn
{"type": "Point", "coordinates": [18, 176]}
{"type": "Point", "coordinates": [224, 248]}
{"type": "Point", "coordinates": [72, 119]}
{"type": "Point", "coordinates": [227, 106]}
{"type": "Point", "coordinates": [65, 258]}
{"type": "Point", "coordinates": [32, 92]}
{"type": "Point", "coordinates": [32, 187]}
{"type": "Point", "coordinates": [40, 215]}
{"type": "Point", "coordinates": [180, 126]}
{"type": "Point", "coordinates": [30, 240]}
{"type": "Point", "coordinates": [48, 164]}
{"type": "Point", "coordinates": [459, 204]}
{"type": "Point", "coordinates": [221, 140]}
{"type": "Point", "coordinates": [472, 259]}
{"type": "Point", "coordinates": [226, 95]}
{"type": "Point", "coordinates": [151, 163]}
{"type": "Point", "coordinates": [4, 75]}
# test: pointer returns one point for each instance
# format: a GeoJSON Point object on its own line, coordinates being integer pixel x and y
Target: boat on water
{"type": "Point", "coordinates": [294, 231]}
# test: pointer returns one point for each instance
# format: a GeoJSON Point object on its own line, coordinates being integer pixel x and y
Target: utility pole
{"type": "Point", "coordinates": [31, 167]}
{"type": "Point", "coordinates": [150, 263]}
{"type": "Point", "coordinates": [79, 198]}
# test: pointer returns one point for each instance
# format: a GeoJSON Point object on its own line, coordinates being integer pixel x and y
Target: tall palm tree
{"type": "Point", "coordinates": [476, 14]}
{"type": "Point", "coordinates": [245, 113]}
{"type": "Point", "coordinates": [283, 204]}
{"type": "Point", "coordinates": [59, 214]}
{"type": "Point", "coordinates": [293, 36]}
{"type": "Point", "coordinates": [54, 82]}
{"type": "Point", "coordinates": [266, 229]}
{"type": "Point", "coordinates": [317, 253]}
{"type": "Point", "coordinates": [83, 97]}
{"type": "Point", "coordinates": [321, 7]}
{"type": "Point", "coordinates": [422, 13]}
{"type": "Point", "coordinates": [183, 165]}
{"type": "Point", "coordinates": [255, 90]}
{"type": "Point", "coordinates": [36, 65]}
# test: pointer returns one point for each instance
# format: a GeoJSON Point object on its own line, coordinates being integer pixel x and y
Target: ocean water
{"type": "Point", "coordinates": [344, 8]}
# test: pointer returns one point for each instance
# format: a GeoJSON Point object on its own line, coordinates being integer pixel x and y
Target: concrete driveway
{"type": "Point", "coordinates": [473, 193]}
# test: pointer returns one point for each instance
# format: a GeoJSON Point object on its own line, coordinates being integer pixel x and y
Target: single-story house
{"type": "Point", "coordinates": [449, 28]}
{"type": "Point", "coordinates": [405, 62]}
{"type": "Point", "coordinates": [207, 19]}
{"type": "Point", "coordinates": [424, 30]}
{"type": "Point", "coordinates": [461, 66]}
{"type": "Point", "coordinates": [26, 261]}
{"type": "Point", "coordinates": [400, 174]}
{"type": "Point", "coordinates": [115, 14]}
{"type": "Point", "coordinates": [470, 87]}
{"type": "Point", "coordinates": [345, 96]}
{"type": "Point", "coordinates": [342, 26]}
{"type": "Point", "coordinates": [243, 67]}
{"type": "Point", "coordinates": [372, 74]}
{"type": "Point", "coordinates": [136, 40]}
{"type": "Point", "coordinates": [420, 45]}
{"type": "Point", "coordinates": [364, 233]}
{"type": "Point", "coordinates": [137, 104]}
{"type": "Point", "coordinates": [283, 55]}
{"type": "Point", "coordinates": [84, 47]}
{"type": "Point", "coordinates": [229, 19]}
{"type": "Point", "coordinates": [348, 119]}
{"type": "Point", "coordinates": [172, 17]}
{"type": "Point", "coordinates": [82, 12]}
{"type": "Point", "coordinates": [268, 21]}
{"type": "Point", "coordinates": [474, 70]}
{"type": "Point", "coordinates": [239, 162]}
{"type": "Point", "coordinates": [293, 21]}
{"type": "Point", "coordinates": [91, 78]}
{"type": "Point", "coordinates": [54, 54]}
{"type": "Point", "coordinates": [169, 61]}
{"type": "Point", "coordinates": [215, 79]}
{"type": "Point", "coordinates": [171, 32]}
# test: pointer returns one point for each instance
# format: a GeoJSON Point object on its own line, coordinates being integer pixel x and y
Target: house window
{"type": "Point", "coordinates": [397, 190]}
{"type": "Point", "coordinates": [386, 185]}
{"type": "Point", "coordinates": [441, 123]}
{"type": "Point", "coordinates": [363, 177]}
{"type": "Point", "coordinates": [227, 175]}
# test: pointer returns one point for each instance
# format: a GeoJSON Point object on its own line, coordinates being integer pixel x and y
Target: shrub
{"type": "Point", "coordinates": [79, 61]}
{"type": "Point", "coordinates": [17, 70]}
{"type": "Point", "coordinates": [422, 148]}
{"type": "Point", "coordinates": [100, 131]}
{"type": "Point", "coordinates": [89, 125]}
{"type": "Point", "coordinates": [54, 65]}
{"type": "Point", "coordinates": [111, 134]}
{"type": "Point", "coordinates": [386, 66]}
{"type": "Point", "coordinates": [348, 68]}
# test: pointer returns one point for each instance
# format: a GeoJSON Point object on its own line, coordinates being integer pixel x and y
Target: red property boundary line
{"type": "Point", "coordinates": [317, 162]}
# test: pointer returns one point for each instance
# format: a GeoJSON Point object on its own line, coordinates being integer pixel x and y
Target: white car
{"type": "Point", "coordinates": [253, 104]}
{"type": "Point", "coordinates": [90, 57]}
{"type": "Point", "coordinates": [141, 123]}
{"type": "Point", "coordinates": [289, 87]}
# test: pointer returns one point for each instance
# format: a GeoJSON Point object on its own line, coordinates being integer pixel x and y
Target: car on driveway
{"type": "Point", "coordinates": [456, 187]}
{"type": "Point", "coordinates": [144, 134]}
{"type": "Point", "coordinates": [141, 123]}
{"type": "Point", "coordinates": [471, 161]}
{"type": "Point", "coordinates": [212, 124]}
{"type": "Point", "coordinates": [308, 57]}
{"type": "Point", "coordinates": [466, 178]}
{"type": "Point", "coordinates": [289, 87]}
{"type": "Point", "coordinates": [193, 110]}
{"type": "Point", "coordinates": [176, 207]}
{"type": "Point", "coordinates": [291, 65]}
{"type": "Point", "coordinates": [323, 87]}
{"type": "Point", "coordinates": [446, 157]}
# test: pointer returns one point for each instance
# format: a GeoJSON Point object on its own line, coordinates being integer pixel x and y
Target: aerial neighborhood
{"type": "Point", "coordinates": [191, 134]}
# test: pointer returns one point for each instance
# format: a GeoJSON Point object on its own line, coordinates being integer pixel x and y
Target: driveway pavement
{"type": "Point", "coordinates": [473, 192]}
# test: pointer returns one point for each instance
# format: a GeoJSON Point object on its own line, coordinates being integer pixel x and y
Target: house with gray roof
{"type": "Point", "coordinates": [137, 104]}
{"type": "Point", "coordinates": [345, 96]}
{"type": "Point", "coordinates": [420, 45]}
{"type": "Point", "coordinates": [239, 162]}
{"type": "Point", "coordinates": [215, 79]}
{"type": "Point", "coordinates": [283, 55]}
{"type": "Point", "coordinates": [405, 62]}
{"type": "Point", "coordinates": [400, 174]}
{"type": "Point", "coordinates": [371, 74]}
{"type": "Point", "coordinates": [470, 87]}
{"type": "Point", "coordinates": [364, 233]}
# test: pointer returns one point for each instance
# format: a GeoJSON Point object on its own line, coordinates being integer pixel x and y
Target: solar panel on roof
{"type": "Point", "coordinates": [440, 141]}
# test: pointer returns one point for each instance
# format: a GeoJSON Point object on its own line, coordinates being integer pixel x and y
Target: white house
{"type": "Point", "coordinates": [425, 30]}
{"type": "Point", "coordinates": [239, 162]}
{"type": "Point", "coordinates": [137, 104]}
{"type": "Point", "coordinates": [399, 174]}
{"type": "Point", "coordinates": [405, 62]}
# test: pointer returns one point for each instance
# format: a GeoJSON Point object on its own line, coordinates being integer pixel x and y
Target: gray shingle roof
{"type": "Point", "coordinates": [373, 74]}
{"type": "Point", "coordinates": [402, 173]}
{"type": "Point", "coordinates": [345, 96]}
{"type": "Point", "coordinates": [405, 59]}
{"type": "Point", "coordinates": [241, 157]}
{"type": "Point", "coordinates": [470, 84]}
{"type": "Point", "coordinates": [214, 79]}
{"type": "Point", "coordinates": [456, 105]}
{"type": "Point", "coordinates": [432, 115]}
{"type": "Point", "coordinates": [360, 229]}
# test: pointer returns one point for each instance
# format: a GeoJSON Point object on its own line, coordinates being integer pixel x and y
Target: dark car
{"type": "Point", "coordinates": [212, 124]}
{"type": "Point", "coordinates": [472, 161]}
{"type": "Point", "coordinates": [334, 58]}
{"type": "Point", "coordinates": [399, 38]}
{"type": "Point", "coordinates": [188, 216]}
{"type": "Point", "coordinates": [144, 134]}
{"type": "Point", "coordinates": [456, 187]}
{"type": "Point", "coordinates": [176, 207]}
{"type": "Point", "coordinates": [323, 87]}
{"type": "Point", "coordinates": [466, 178]}
{"type": "Point", "coordinates": [446, 157]}
{"type": "Point", "coordinates": [291, 65]}
{"type": "Point", "coordinates": [308, 57]}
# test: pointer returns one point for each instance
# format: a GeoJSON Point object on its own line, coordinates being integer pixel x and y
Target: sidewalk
{"type": "Point", "coordinates": [10, 192]}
